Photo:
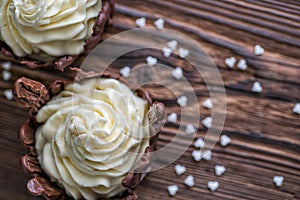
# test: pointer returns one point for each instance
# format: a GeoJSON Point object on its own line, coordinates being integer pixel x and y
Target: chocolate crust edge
{"type": "Point", "coordinates": [104, 18]}
{"type": "Point", "coordinates": [37, 95]}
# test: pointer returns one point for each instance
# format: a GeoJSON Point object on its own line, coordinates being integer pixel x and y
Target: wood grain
{"type": "Point", "coordinates": [265, 133]}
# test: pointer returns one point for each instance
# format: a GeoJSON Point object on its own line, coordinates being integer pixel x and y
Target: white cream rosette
{"type": "Point", "coordinates": [91, 136]}
{"type": "Point", "coordinates": [47, 29]}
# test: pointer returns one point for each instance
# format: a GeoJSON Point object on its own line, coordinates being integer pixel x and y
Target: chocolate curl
{"type": "Point", "coordinates": [30, 93]}
{"type": "Point", "coordinates": [132, 180]}
{"type": "Point", "coordinates": [40, 186]}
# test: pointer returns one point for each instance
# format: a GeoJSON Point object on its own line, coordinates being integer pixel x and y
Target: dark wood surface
{"type": "Point", "coordinates": [265, 132]}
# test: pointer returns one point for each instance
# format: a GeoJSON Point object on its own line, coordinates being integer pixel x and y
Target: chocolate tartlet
{"type": "Point", "coordinates": [51, 34]}
{"type": "Point", "coordinates": [90, 139]}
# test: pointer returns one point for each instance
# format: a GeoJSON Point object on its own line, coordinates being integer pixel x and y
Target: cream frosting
{"type": "Point", "coordinates": [47, 29]}
{"type": "Point", "coordinates": [91, 136]}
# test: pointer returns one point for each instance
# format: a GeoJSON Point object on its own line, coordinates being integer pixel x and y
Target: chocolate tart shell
{"type": "Point", "coordinates": [34, 95]}
{"type": "Point", "coordinates": [104, 18]}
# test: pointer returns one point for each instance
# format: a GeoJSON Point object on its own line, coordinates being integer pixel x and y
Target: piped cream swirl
{"type": "Point", "coordinates": [47, 29]}
{"type": "Point", "coordinates": [91, 136]}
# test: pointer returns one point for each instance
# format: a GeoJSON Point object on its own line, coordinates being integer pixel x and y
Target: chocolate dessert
{"type": "Point", "coordinates": [51, 34]}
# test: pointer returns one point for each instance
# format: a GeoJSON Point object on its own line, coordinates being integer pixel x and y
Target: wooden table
{"type": "Point", "coordinates": [265, 132]}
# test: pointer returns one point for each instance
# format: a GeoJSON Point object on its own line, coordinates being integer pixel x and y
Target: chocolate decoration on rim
{"type": "Point", "coordinates": [37, 95]}
{"type": "Point", "coordinates": [104, 17]}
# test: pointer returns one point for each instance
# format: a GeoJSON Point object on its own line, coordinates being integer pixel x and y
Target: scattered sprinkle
{"type": "Point", "coordinates": [172, 118]}
{"type": "Point", "coordinates": [179, 169]}
{"type": "Point", "coordinates": [207, 104]}
{"type": "Point", "coordinates": [125, 71]}
{"type": "Point", "coordinates": [172, 189]}
{"type": "Point", "coordinates": [183, 53]}
{"type": "Point", "coordinates": [197, 155]}
{"type": "Point", "coordinates": [151, 60]}
{"type": "Point", "coordinates": [6, 65]}
{"type": "Point", "coordinates": [257, 87]}
{"type": "Point", "coordinates": [199, 143]}
{"type": "Point", "coordinates": [166, 51]}
{"type": "Point", "coordinates": [190, 129]}
{"type": "Point", "coordinates": [213, 185]}
{"type": "Point", "coordinates": [141, 22]}
{"type": "Point", "coordinates": [177, 73]}
{"type": "Point", "coordinates": [242, 65]}
{"type": "Point", "coordinates": [225, 140]}
{"type": "Point", "coordinates": [159, 24]}
{"type": "Point", "coordinates": [207, 122]}
{"type": "Point", "coordinates": [182, 101]}
{"type": "Point", "coordinates": [189, 181]}
{"type": "Point", "coordinates": [230, 62]}
{"type": "Point", "coordinates": [278, 180]}
{"type": "Point", "coordinates": [8, 94]}
{"type": "Point", "coordinates": [6, 75]}
{"type": "Point", "coordinates": [206, 155]}
{"type": "Point", "coordinates": [219, 170]}
{"type": "Point", "coordinates": [296, 108]}
{"type": "Point", "coordinates": [258, 50]}
{"type": "Point", "coordinates": [172, 44]}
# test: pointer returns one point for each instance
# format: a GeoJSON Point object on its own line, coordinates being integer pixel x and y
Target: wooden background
{"type": "Point", "coordinates": [265, 132]}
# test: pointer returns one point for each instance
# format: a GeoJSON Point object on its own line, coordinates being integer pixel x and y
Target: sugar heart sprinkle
{"type": "Point", "coordinates": [242, 65]}
{"type": "Point", "coordinates": [159, 23]}
{"type": "Point", "coordinates": [257, 87]}
{"type": "Point", "coordinates": [177, 73]}
{"type": "Point", "coordinates": [6, 65]}
{"type": "Point", "coordinates": [258, 50]}
{"type": "Point", "coordinates": [166, 52]}
{"type": "Point", "coordinates": [151, 60]}
{"type": "Point", "coordinates": [172, 44]}
{"type": "Point", "coordinates": [219, 170]}
{"type": "Point", "coordinates": [8, 94]}
{"type": "Point", "coordinates": [296, 108]}
{"type": "Point", "coordinates": [199, 143]}
{"type": "Point", "coordinates": [183, 53]}
{"type": "Point", "coordinates": [190, 129]}
{"type": "Point", "coordinates": [125, 71]}
{"type": "Point", "coordinates": [180, 169]}
{"type": "Point", "coordinates": [189, 181]}
{"type": "Point", "coordinates": [182, 101]}
{"type": "Point", "coordinates": [207, 104]}
{"type": "Point", "coordinates": [172, 118]}
{"type": "Point", "coordinates": [225, 140]}
{"type": "Point", "coordinates": [6, 75]}
{"type": "Point", "coordinates": [207, 122]}
{"type": "Point", "coordinates": [213, 185]}
{"type": "Point", "coordinates": [197, 155]}
{"type": "Point", "coordinates": [172, 190]}
{"type": "Point", "coordinates": [206, 155]}
{"type": "Point", "coordinates": [141, 22]}
{"type": "Point", "coordinates": [278, 180]}
{"type": "Point", "coordinates": [230, 62]}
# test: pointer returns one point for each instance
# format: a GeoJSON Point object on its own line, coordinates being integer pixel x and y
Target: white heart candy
{"type": "Point", "coordinates": [213, 185]}
{"type": "Point", "coordinates": [159, 24]}
{"type": "Point", "coordinates": [6, 75]}
{"type": "Point", "coordinates": [6, 65]}
{"type": "Point", "coordinates": [197, 155]}
{"type": "Point", "coordinates": [166, 51]}
{"type": "Point", "coordinates": [230, 62]}
{"type": "Point", "coordinates": [296, 108]}
{"type": "Point", "coordinates": [207, 104]}
{"type": "Point", "coordinates": [183, 53]}
{"type": "Point", "coordinates": [172, 44]}
{"type": "Point", "coordinates": [177, 73]}
{"type": "Point", "coordinates": [278, 180]}
{"type": "Point", "coordinates": [182, 101]}
{"type": "Point", "coordinates": [225, 140]}
{"type": "Point", "coordinates": [206, 155]}
{"type": "Point", "coordinates": [189, 181]}
{"type": "Point", "coordinates": [172, 118]}
{"type": "Point", "coordinates": [199, 143]}
{"type": "Point", "coordinates": [242, 65]}
{"type": "Point", "coordinates": [179, 169]}
{"type": "Point", "coordinates": [257, 87]}
{"type": "Point", "coordinates": [151, 60]}
{"type": "Point", "coordinates": [207, 122]}
{"type": "Point", "coordinates": [125, 71]}
{"type": "Point", "coordinates": [258, 50]}
{"type": "Point", "coordinates": [8, 94]}
{"type": "Point", "coordinates": [172, 189]}
{"type": "Point", "coordinates": [190, 129]}
{"type": "Point", "coordinates": [141, 22]}
{"type": "Point", "coordinates": [219, 170]}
